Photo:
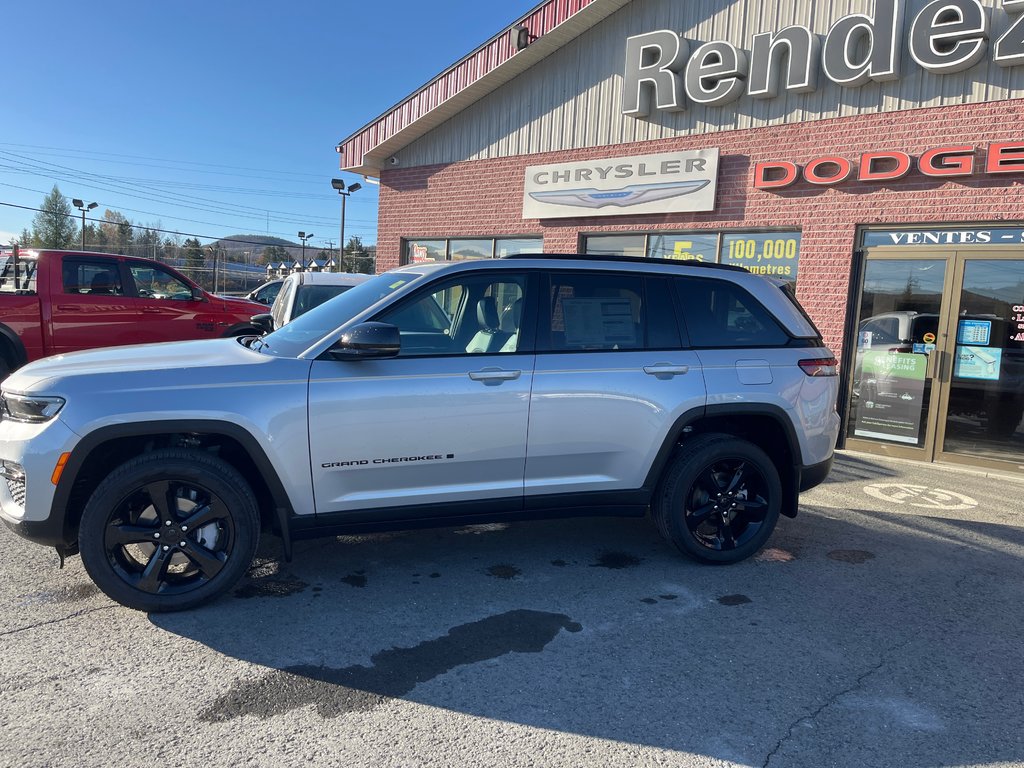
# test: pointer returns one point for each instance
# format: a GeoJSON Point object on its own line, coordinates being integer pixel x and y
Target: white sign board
{"type": "Point", "coordinates": [664, 183]}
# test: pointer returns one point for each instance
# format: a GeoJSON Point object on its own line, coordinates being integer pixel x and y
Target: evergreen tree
{"type": "Point", "coordinates": [54, 225]}
{"type": "Point", "coordinates": [194, 260]}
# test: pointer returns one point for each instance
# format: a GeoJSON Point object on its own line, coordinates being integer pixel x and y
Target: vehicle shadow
{"type": "Point", "coordinates": [864, 637]}
{"type": "Point", "coordinates": [849, 467]}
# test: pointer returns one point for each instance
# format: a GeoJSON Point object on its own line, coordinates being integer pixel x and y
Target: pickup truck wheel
{"type": "Point", "coordinates": [169, 530]}
{"type": "Point", "coordinates": [719, 499]}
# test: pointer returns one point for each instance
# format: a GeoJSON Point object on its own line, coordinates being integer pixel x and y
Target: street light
{"type": "Point", "coordinates": [80, 205]}
{"type": "Point", "coordinates": [339, 184]}
{"type": "Point", "coordinates": [304, 237]}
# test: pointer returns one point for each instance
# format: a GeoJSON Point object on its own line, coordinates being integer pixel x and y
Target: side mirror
{"type": "Point", "coordinates": [198, 295]}
{"type": "Point", "coordinates": [264, 321]}
{"type": "Point", "coordinates": [367, 341]}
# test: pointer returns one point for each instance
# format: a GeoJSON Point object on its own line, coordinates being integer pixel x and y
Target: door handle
{"type": "Point", "coordinates": [152, 310]}
{"type": "Point", "coordinates": [494, 375]}
{"type": "Point", "coordinates": [67, 307]}
{"type": "Point", "coordinates": [666, 370]}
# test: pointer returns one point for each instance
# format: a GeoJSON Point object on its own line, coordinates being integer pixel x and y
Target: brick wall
{"type": "Point", "coordinates": [484, 197]}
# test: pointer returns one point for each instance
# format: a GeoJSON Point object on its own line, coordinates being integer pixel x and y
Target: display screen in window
{"type": "Point", "coordinates": [683, 247]}
{"type": "Point", "coordinates": [772, 254]}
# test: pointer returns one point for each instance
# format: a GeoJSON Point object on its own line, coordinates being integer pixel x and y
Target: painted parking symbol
{"type": "Point", "coordinates": [919, 496]}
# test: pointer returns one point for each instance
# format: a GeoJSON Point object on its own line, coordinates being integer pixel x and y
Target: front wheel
{"type": "Point", "coordinates": [169, 530]}
{"type": "Point", "coordinates": [719, 499]}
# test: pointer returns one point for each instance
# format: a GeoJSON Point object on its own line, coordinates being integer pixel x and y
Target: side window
{"type": "Point", "coordinates": [601, 312]}
{"type": "Point", "coordinates": [721, 314]}
{"type": "Point", "coordinates": [151, 282]}
{"type": "Point", "coordinates": [92, 278]}
{"type": "Point", "coordinates": [470, 315]}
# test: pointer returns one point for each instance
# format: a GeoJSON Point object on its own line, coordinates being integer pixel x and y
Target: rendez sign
{"type": "Point", "coordinates": [940, 162]}
{"type": "Point", "coordinates": [946, 36]}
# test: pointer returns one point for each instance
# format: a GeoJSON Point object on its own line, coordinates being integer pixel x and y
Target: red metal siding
{"type": "Point", "coordinates": [485, 197]}
{"type": "Point", "coordinates": [452, 81]}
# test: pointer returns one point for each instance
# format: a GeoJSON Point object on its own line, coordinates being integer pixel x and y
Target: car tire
{"type": "Point", "coordinates": [169, 530]}
{"type": "Point", "coordinates": [719, 499]}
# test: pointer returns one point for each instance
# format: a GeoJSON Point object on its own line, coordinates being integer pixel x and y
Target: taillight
{"type": "Point", "coordinates": [820, 366]}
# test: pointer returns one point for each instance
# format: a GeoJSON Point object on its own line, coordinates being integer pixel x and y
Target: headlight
{"type": "Point", "coordinates": [30, 408]}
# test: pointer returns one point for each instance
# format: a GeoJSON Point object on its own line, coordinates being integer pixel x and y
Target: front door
{"type": "Point", "coordinates": [444, 422]}
{"type": "Point", "coordinates": [938, 368]}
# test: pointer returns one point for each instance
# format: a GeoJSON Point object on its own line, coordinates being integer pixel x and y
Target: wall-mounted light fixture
{"type": "Point", "coordinates": [521, 36]}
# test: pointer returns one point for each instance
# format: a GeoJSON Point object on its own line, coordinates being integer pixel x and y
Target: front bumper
{"type": "Point", "coordinates": [25, 506]}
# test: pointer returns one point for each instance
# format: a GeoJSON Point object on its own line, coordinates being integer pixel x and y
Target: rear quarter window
{"type": "Point", "coordinates": [722, 314]}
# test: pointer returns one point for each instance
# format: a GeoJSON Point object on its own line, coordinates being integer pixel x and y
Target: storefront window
{"type": "Point", "coordinates": [463, 250]}
{"type": "Point", "coordinates": [418, 251]}
{"type": "Point", "coordinates": [616, 245]}
{"type": "Point", "coordinates": [772, 254]}
{"type": "Point", "coordinates": [684, 247]}
{"type": "Point", "coordinates": [512, 245]}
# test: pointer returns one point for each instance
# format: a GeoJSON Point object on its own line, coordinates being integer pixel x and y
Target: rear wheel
{"type": "Point", "coordinates": [719, 499]}
{"type": "Point", "coordinates": [169, 530]}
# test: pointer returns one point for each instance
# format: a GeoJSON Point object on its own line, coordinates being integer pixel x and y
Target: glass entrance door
{"type": "Point", "coordinates": [982, 401]}
{"type": "Point", "coordinates": [938, 368]}
{"type": "Point", "coordinates": [893, 392]}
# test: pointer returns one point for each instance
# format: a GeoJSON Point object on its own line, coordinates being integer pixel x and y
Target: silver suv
{"type": "Point", "coordinates": [436, 394]}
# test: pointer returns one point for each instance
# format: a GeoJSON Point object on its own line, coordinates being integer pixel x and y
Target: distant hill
{"type": "Point", "coordinates": [239, 244]}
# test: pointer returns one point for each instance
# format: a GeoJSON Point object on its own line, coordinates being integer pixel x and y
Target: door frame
{"type": "Point", "coordinates": [941, 369]}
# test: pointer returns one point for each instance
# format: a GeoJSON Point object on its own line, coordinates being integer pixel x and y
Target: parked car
{"type": "Point", "coordinates": [302, 291]}
{"type": "Point", "coordinates": [266, 293]}
{"type": "Point", "coordinates": [52, 302]}
{"type": "Point", "coordinates": [436, 394]}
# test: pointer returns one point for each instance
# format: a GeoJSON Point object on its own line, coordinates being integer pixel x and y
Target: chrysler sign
{"type": "Point", "coordinates": [663, 71]}
{"type": "Point", "coordinates": [663, 183]}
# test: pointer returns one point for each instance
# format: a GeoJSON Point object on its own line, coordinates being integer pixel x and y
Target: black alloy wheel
{"type": "Point", "coordinates": [719, 499]}
{"type": "Point", "coordinates": [169, 530]}
{"type": "Point", "coordinates": [727, 504]}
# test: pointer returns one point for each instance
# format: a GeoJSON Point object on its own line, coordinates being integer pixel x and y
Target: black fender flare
{"type": "Point", "coordinates": [791, 476]}
{"type": "Point", "coordinates": [93, 440]}
{"type": "Point", "coordinates": [16, 345]}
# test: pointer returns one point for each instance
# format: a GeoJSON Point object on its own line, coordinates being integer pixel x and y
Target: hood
{"type": "Point", "coordinates": [120, 364]}
{"type": "Point", "coordinates": [242, 306]}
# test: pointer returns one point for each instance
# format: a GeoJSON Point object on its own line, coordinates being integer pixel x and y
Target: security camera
{"type": "Point", "coordinates": [392, 161]}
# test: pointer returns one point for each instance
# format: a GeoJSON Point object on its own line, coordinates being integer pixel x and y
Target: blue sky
{"type": "Point", "coordinates": [215, 118]}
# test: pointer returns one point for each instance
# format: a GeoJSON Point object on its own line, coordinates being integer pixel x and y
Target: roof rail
{"type": "Point", "coordinates": [628, 259]}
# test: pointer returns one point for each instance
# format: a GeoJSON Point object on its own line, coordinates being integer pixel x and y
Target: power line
{"type": "Point", "coordinates": [158, 215]}
{"type": "Point", "coordinates": [43, 168]}
{"type": "Point", "coordinates": [162, 160]}
{"type": "Point", "coordinates": [156, 229]}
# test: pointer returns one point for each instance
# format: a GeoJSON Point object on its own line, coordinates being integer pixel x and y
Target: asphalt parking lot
{"type": "Point", "coordinates": [882, 627]}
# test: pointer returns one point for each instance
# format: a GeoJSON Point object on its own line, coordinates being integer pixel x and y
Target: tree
{"type": "Point", "coordinates": [273, 254]}
{"type": "Point", "coordinates": [54, 225]}
{"type": "Point", "coordinates": [194, 261]}
{"type": "Point", "coordinates": [356, 257]}
{"type": "Point", "coordinates": [117, 231]}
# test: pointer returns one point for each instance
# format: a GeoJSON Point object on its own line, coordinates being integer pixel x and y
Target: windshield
{"type": "Point", "coordinates": [312, 296]}
{"type": "Point", "coordinates": [297, 336]}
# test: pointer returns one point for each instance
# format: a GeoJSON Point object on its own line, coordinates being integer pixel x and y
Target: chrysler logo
{"type": "Point", "coordinates": [623, 197]}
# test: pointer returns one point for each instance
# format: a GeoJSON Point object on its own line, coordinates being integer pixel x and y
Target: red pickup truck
{"type": "Point", "coordinates": [63, 301]}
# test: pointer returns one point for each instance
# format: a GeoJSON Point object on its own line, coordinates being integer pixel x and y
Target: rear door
{"type": "Point", "coordinates": [442, 423]}
{"type": "Point", "coordinates": [89, 305]}
{"type": "Point", "coordinates": [612, 376]}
